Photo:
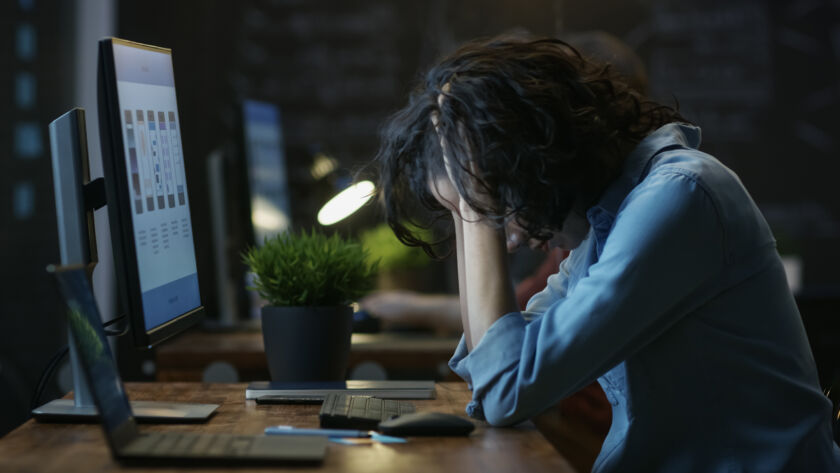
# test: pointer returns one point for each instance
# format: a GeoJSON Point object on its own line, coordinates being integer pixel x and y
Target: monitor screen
{"type": "Point", "coordinates": [266, 168]}
{"type": "Point", "coordinates": [150, 213]}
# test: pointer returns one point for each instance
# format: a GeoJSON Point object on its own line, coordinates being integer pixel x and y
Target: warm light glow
{"type": "Point", "coordinates": [345, 203]}
{"type": "Point", "coordinates": [267, 218]}
{"type": "Point", "coordinates": [322, 166]}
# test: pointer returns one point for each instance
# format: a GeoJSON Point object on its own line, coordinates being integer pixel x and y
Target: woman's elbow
{"type": "Point", "coordinates": [503, 411]}
{"type": "Point", "coordinates": [504, 402]}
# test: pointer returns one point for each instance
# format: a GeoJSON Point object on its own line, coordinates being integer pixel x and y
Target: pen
{"type": "Point", "coordinates": [333, 434]}
{"type": "Point", "coordinates": [342, 433]}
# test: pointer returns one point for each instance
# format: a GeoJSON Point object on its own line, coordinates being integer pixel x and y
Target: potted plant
{"type": "Point", "coordinates": [309, 281]}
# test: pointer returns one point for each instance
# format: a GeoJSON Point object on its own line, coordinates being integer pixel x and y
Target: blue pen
{"type": "Point", "coordinates": [333, 433]}
{"type": "Point", "coordinates": [341, 433]}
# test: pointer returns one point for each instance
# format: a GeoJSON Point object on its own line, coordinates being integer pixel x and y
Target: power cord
{"type": "Point", "coordinates": [47, 374]}
{"type": "Point", "coordinates": [56, 359]}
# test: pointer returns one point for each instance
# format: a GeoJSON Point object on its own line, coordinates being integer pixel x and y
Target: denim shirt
{"type": "Point", "coordinates": [677, 303]}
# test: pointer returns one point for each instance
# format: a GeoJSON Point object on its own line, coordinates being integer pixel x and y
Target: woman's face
{"type": "Point", "coordinates": [574, 231]}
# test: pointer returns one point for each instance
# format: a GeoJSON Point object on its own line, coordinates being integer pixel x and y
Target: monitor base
{"type": "Point", "coordinates": [65, 410]}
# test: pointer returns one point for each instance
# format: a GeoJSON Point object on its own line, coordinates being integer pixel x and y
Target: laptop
{"type": "Point", "coordinates": [126, 442]}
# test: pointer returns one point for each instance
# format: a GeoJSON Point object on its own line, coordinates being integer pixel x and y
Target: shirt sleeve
{"type": "Point", "coordinates": [666, 242]}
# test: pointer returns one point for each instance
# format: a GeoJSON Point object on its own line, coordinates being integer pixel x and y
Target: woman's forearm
{"type": "Point", "coordinates": [462, 284]}
{"type": "Point", "coordinates": [489, 291]}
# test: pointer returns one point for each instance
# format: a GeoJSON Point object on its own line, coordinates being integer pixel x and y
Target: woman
{"type": "Point", "coordinates": [673, 298]}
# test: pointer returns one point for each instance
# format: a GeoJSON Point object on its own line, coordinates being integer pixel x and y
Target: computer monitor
{"type": "Point", "coordinates": [76, 197]}
{"type": "Point", "coordinates": [249, 201]}
{"type": "Point", "coordinates": [145, 183]}
{"type": "Point", "coordinates": [262, 149]}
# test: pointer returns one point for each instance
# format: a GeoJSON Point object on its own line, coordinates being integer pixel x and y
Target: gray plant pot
{"type": "Point", "coordinates": [307, 343]}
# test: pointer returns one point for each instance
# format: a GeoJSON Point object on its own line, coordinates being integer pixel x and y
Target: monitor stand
{"type": "Point", "coordinates": [76, 198]}
{"type": "Point", "coordinates": [82, 408]}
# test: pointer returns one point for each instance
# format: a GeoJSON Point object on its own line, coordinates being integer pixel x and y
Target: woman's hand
{"type": "Point", "coordinates": [443, 187]}
{"type": "Point", "coordinates": [446, 194]}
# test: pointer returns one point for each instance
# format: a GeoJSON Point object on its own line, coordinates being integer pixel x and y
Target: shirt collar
{"type": "Point", "coordinates": [635, 168]}
{"type": "Point", "coordinates": [680, 134]}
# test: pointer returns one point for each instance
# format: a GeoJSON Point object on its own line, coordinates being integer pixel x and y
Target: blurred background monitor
{"type": "Point", "coordinates": [148, 202]}
{"type": "Point", "coordinates": [264, 158]}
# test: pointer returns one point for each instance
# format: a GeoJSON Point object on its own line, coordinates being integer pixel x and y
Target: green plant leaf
{"type": "Point", "coordinates": [311, 269]}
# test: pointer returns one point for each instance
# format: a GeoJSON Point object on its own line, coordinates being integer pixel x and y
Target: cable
{"type": "Point", "coordinates": [112, 333]}
{"type": "Point", "coordinates": [47, 374]}
{"type": "Point", "coordinates": [59, 356]}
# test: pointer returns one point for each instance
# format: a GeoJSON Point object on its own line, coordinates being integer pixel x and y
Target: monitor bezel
{"type": "Point", "coordinates": [119, 204]}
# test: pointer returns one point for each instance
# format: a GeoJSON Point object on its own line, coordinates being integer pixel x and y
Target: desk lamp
{"type": "Point", "coordinates": [346, 203]}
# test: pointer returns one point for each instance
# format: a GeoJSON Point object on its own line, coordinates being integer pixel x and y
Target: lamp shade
{"type": "Point", "coordinates": [346, 202]}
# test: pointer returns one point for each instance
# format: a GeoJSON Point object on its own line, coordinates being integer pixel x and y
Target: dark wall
{"type": "Point", "coordinates": [758, 76]}
{"type": "Point", "coordinates": [36, 80]}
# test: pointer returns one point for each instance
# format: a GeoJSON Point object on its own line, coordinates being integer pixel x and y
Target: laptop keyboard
{"type": "Point", "coordinates": [344, 411]}
{"type": "Point", "coordinates": [189, 445]}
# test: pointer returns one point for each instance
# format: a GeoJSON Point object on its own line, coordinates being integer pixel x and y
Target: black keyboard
{"type": "Point", "coordinates": [344, 411]}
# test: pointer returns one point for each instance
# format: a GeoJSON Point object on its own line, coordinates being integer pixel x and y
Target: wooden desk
{"type": "Point", "coordinates": [403, 356]}
{"type": "Point", "coordinates": [67, 448]}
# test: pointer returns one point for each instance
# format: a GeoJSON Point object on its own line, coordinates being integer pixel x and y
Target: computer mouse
{"type": "Point", "coordinates": [427, 424]}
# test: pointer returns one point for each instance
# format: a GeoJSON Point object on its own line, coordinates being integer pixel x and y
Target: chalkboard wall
{"type": "Point", "coordinates": [760, 77]}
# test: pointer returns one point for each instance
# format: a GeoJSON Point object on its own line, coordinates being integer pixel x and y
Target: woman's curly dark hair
{"type": "Point", "coordinates": [546, 128]}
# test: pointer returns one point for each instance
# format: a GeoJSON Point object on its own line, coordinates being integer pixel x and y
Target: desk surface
{"type": "Point", "coordinates": [65, 448]}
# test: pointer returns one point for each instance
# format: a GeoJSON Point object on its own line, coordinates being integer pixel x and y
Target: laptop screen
{"type": "Point", "coordinates": [100, 369]}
